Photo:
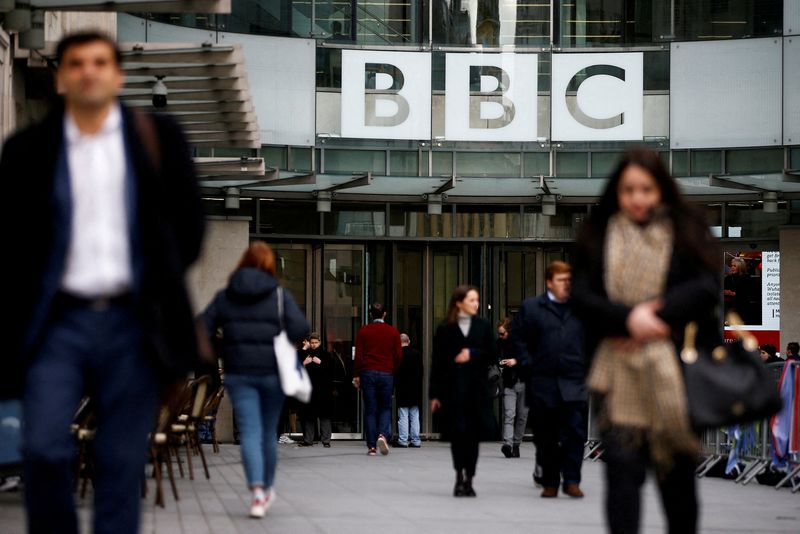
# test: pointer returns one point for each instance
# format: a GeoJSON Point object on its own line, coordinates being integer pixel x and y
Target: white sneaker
{"type": "Point", "coordinates": [383, 446]}
{"type": "Point", "coordinates": [259, 507]}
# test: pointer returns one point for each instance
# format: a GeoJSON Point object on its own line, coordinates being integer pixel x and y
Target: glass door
{"type": "Point", "coordinates": [342, 275]}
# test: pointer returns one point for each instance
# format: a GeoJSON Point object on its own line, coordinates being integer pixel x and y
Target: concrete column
{"type": "Point", "coordinates": [225, 241]}
{"type": "Point", "coordinates": [790, 285]}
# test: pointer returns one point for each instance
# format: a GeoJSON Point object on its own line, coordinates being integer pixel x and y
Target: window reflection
{"type": "Point", "coordinates": [491, 22]}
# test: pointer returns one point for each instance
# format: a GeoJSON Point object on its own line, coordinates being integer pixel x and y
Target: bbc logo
{"type": "Point", "coordinates": [492, 97]}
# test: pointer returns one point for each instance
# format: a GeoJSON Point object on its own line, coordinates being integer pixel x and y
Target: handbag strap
{"type": "Point", "coordinates": [280, 307]}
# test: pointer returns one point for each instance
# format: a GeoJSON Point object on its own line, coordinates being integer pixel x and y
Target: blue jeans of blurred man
{"type": "Point", "coordinates": [93, 348]}
{"type": "Point", "coordinates": [377, 387]}
{"type": "Point", "coordinates": [408, 426]}
{"type": "Point", "coordinates": [257, 404]}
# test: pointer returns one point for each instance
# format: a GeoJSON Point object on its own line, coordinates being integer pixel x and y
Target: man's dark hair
{"type": "Point", "coordinates": [793, 346]}
{"type": "Point", "coordinates": [82, 38]}
{"type": "Point", "coordinates": [376, 311]}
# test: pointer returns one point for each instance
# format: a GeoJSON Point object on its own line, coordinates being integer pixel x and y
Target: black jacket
{"type": "Point", "coordinates": [169, 229]}
{"type": "Point", "coordinates": [550, 348]}
{"type": "Point", "coordinates": [247, 312]}
{"type": "Point", "coordinates": [408, 379]}
{"type": "Point", "coordinates": [321, 375]}
{"type": "Point", "coordinates": [463, 389]}
{"type": "Point", "coordinates": [506, 350]}
{"type": "Point", "coordinates": [692, 293]}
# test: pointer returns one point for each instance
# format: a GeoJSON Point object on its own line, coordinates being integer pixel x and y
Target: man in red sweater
{"type": "Point", "coordinates": [378, 355]}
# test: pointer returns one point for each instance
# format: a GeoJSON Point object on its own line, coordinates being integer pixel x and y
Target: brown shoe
{"type": "Point", "coordinates": [550, 492]}
{"type": "Point", "coordinates": [573, 490]}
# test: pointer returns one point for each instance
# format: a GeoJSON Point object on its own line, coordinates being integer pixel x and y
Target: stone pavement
{"type": "Point", "coordinates": [342, 490]}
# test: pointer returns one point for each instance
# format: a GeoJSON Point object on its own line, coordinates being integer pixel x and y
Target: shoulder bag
{"type": "Point", "coordinates": [729, 385]}
{"type": "Point", "coordinates": [295, 381]}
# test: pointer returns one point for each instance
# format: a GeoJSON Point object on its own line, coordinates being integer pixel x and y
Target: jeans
{"type": "Point", "coordinates": [257, 404]}
{"type": "Point", "coordinates": [408, 423]}
{"type": "Point", "coordinates": [377, 388]}
{"type": "Point", "coordinates": [97, 351]}
{"type": "Point", "coordinates": [515, 414]}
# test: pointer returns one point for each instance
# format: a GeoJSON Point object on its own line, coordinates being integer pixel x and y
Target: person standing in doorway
{"type": "Point", "coordinates": [98, 295]}
{"type": "Point", "coordinates": [408, 393]}
{"type": "Point", "coordinates": [549, 340]}
{"type": "Point", "coordinates": [463, 348]}
{"type": "Point", "coordinates": [515, 408]}
{"type": "Point", "coordinates": [319, 365]}
{"type": "Point", "coordinates": [378, 356]}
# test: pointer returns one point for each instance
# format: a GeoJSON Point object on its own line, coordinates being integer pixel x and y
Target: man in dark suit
{"type": "Point", "coordinates": [550, 345]}
{"type": "Point", "coordinates": [378, 356]}
{"type": "Point", "coordinates": [97, 299]}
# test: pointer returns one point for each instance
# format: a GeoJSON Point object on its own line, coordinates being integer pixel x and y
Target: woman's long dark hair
{"type": "Point", "coordinates": [691, 230]}
{"type": "Point", "coordinates": [459, 294]}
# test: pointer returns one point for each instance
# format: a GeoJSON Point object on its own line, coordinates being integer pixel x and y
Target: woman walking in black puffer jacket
{"type": "Point", "coordinates": [247, 313]}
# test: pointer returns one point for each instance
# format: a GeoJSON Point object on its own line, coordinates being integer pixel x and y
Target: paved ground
{"type": "Point", "coordinates": [341, 490]}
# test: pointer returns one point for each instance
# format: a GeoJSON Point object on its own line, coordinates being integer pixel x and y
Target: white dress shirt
{"type": "Point", "coordinates": [98, 256]}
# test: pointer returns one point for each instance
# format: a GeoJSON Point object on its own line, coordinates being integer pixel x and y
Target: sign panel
{"type": "Point", "coordinates": [752, 289]}
{"type": "Point", "coordinates": [386, 95]}
{"type": "Point", "coordinates": [491, 97]}
{"type": "Point", "coordinates": [609, 104]}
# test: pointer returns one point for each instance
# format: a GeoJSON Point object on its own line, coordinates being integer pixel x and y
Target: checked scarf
{"type": "Point", "coordinates": [641, 384]}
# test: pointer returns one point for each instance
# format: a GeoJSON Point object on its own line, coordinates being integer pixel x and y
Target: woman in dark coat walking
{"type": "Point", "coordinates": [463, 348]}
{"type": "Point", "coordinates": [644, 268]}
{"type": "Point", "coordinates": [247, 313]}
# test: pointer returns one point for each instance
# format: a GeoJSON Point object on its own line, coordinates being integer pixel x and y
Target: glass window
{"type": "Point", "coordinates": [490, 22]}
{"type": "Point", "coordinates": [728, 19]}
{"type": "Point", "coordinates": [294, 218]}
{"type": "Point", "coordinates": [274, 156]}
{"type": "Point", "coordinates": [299, 159]}
{"type": "Point", "coordinates": [356, 220]}
{"type": "Point", "coordinates": [442, 163]}
{"type": "Point", "coordinates": [329, 67]}
{"type": "Point", "coordinates": [488, 163]}
{"type": "Point", "coordinates": [487, 221]}
{"type": "Point", "coordinates": [348, 161]}
{"type": "Point", "coordinates": [603, 163]}
{"type": "Point", "coordinates": [262, 16]}
{"type": "Point", "coordinates": [385, 22]}
{"type": "Point", "coordinates": [748, 219]}
{"type": "Point", "coordinates": [563, 225]}
{"type": "Point", "coordinates": [758, 160]}
{"type": "Point", "coordinates": [536, 163]}
{"type": "Point", "coordinates": [414, 221]}
{"type": "Point", "coordinates": [794, 157]}
{"type": "Point", "coordinates": [572, 164]}
{"type": "Point", "coordinates": [404, 163]}
{"type": "Point", "coordinates": [713, 214]}
{"type": "Point", "coordinates": [680, 163]}
{"type": "Point", "coordinates": [706, 162]}
{"type": "Point", "coordinates": [584, 23]}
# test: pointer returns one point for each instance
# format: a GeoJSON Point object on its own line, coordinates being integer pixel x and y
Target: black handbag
{"type": "Point", "coordinates": [495, 379]}
{"type": "Point", "coordinates": [729, 385]}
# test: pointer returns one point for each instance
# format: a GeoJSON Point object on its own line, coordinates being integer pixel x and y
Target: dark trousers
{"type": "Point", "coordinates": [309, 414]}
{"type": "Point", "coordinates": [465, 454]}
{"type": "Point", "coordinates": [377, 388]}
{"type": "Point", "coordinates": [559, 434]}
{"type": "Point", "coordinates": [93, 351]}
{"type": "Point", "coordinates": [626, 467]}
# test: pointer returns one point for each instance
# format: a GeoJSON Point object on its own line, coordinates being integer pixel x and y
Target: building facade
{"type": "Point", "coordinates": [413, 145]}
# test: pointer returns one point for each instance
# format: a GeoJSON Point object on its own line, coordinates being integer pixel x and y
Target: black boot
{"type": "Point", "coordinates": [459, 490]}
{"type": "Point", "coordinates": [507, 451]}
{"type": "Point", "coordinates": [468, 490]}
{"type": "Point", "coordinates": [515, 451]}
